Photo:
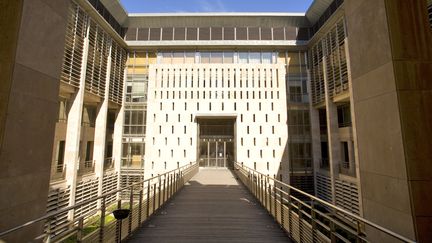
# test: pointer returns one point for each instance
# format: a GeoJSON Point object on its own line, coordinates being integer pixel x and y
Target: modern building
{"type": "Point", "coordinates": [335, 101]}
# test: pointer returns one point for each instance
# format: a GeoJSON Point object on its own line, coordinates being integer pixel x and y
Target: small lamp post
{"type": "Point", "coordinates": [120, 214]}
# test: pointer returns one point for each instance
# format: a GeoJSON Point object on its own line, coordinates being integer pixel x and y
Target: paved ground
{"type": "Point", "coordinates": [212, 207]}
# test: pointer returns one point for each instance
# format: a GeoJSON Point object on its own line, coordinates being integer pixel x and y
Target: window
{"type": "Point", "coordinates": [344, 115]}
{"type": "Point", "coordinates": [344, 152]}
{"type": "Point", "coordinates": [243, 57]}
{"type": "Point", "coordinates": [266, 58]}
{"type": "Point", "coordinates": [295, 94]}
{"type": "Point", "coordinates": [89, 151]}
{"type": "Point", "coordinates": [228, 58]}
{"type": "Point", "coordinates": [60, 155]}
{"type": "Point", "coordinates": [135, 120]}
{"type": "Point", "coordinates": [255, 57]}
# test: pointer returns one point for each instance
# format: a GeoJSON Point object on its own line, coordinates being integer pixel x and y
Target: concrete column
{"type": "Point", "coordinates": [100, 130]}
{"type": "Point", "coordinates": [315, 132]}
{"type": "Point", "coordinates": [73, 132]}
{"type": "Point", "coordinates": [332, 133]}
{"type": "Point", "coordinates": [118, 135]}
{"type": "Point", "coordinates": [354, 155]}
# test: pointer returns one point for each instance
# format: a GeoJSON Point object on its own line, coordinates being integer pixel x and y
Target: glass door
{"type": "Point", "coordinates": [216, 152]}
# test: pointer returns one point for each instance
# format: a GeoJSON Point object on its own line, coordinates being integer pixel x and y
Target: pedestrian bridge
{"type": "Point", "coordinates": [212, 207]}
{"type": "Point", "coordinates": [192, 204]}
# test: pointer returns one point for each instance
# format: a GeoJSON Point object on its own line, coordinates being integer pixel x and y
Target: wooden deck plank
{"type": "Point", "coordinates": [212, 207]}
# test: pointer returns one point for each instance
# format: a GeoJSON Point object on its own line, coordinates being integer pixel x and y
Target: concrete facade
{"type": "Point", "coordinates": [391, 94]}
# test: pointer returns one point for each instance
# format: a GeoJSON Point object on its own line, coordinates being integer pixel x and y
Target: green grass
{"type": "Point", "coordinates": [94, 224]}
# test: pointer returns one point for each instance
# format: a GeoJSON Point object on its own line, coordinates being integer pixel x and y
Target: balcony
{"type": "Point", "coordinates": [108, 164]}
{"type": "Point", "coordinates": [133, 163]}
{"type": "Point", "coordinates": [324, 164]}
{"type": "Point", "coordinates": [346, 169]}
{"type": "Point", "coordinates": [86, 167]}
{"type": "Point", "coordinates": [58, 172]}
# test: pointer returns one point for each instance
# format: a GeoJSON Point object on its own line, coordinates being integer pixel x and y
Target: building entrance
{"type": "Point", "coordinates": [216, 142]}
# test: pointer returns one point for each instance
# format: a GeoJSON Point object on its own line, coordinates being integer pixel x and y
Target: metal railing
{"type": "Point", "coordinates": [145, 198]}
{"type": "Point", "coordinates": [346, 169]}
{"type": "Point", "coordinates": [324, 164]}
{"type": "Point", "coordinates": [86, 167]}
{"type": "Point", "coordinates": [311, 219]}
{"type": "Point", "coordinates": [59, 171]}
{"type": "Point", "coordinates": [108, 164]}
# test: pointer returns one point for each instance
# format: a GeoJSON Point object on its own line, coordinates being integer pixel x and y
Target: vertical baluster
{"type": "Point", "coordinates": [131, 210]}
{"type": "Point", "coordinates": [102, 220]}
{"type": "Point", "coordinates": [313, 219]}
{"type": "Point", "coordinates": [148, 198]}
{"type": "Point", "coordinates": [140, 206]}
{"type": "Point", "coordinates": [154, 198]}
{"type": "Point", "coordinates": [159, 191]}
{"type": "Point", "coordinates": [80, 230]}
{"type": "Point", "coordinates": [300, 217]}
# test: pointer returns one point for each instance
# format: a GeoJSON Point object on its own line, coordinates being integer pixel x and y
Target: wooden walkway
{"type": "Point", "coordinates": [212, 207]}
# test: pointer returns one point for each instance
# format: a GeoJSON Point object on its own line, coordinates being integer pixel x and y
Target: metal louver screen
{"type": "Point", "coordinates": [254, 33]}
{"type": "Point", "coordinates": [86, 190]}
{"type": "Point", "coordinates": [118, 62]}
{"type": "Point", "coordinates": [347, 196]}
{"type": "Point", "coordinates": [109, 184]}
{"type": "Point", "coordinates": [216, 33]}
{"type": "Point", "coordinates": [324, 188]}
{"type": "Point", "coordinates": [229, 33]}
{"type": "Point", "coordinates": [131, 34]}
{"type": "Point", "coordinates": [74, 45]}
{"type": "Point", "coordinates": [331, 46]}
{"type": "Point", "coordinates": [430, 14]}
{"type": "Point", "coordinates": [97, 60]}
{"type": "Point", "coordinates": [143, 34]}
{"type": "Point", "coordinates": [57, 199]}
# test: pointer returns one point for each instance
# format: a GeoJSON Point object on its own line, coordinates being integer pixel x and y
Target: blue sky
{"type": "Point", "coordinates": [170, 6]}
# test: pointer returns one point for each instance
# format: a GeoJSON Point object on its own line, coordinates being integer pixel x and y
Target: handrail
{"type": "Point", "coordinates": [332, 206]}
{"type": "Point", "coordinates": [66, 209]}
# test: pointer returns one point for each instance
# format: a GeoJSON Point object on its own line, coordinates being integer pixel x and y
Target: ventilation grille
{"type": "Point", "coordinates": [110, 184]}
{"type": "Point", "coordinates": [324, 188]}
{"type": "Point", "coordinates": [347, 196]}
{"type": "Point", "coordinates": [74, 45]}
{"type": "Point", "coordinates": [332, 46]}
{"type": "Point", "coordinates": [86, 190]}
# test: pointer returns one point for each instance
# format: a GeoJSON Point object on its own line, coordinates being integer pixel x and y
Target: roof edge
{"type": "Point", "coordinates": [219, 14]}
